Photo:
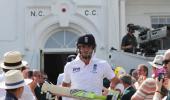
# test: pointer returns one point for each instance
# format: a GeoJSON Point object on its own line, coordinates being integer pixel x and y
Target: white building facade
{"type": "Point", "coordinates": [43, 28]}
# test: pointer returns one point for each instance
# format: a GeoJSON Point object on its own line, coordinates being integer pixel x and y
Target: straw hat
{"type": "Point", "coordinates": [157, 62]}
{"type": "Point", "coordinates": [12, 60]}
{"type": "Point", "coordinates": [14, 79]}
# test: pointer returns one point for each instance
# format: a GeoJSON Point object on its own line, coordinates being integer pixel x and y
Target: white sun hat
{"type": "Point", "coordinates": [14, 79]}
{"type": "Point", "coordinates": [12, 60]}
{"type": "Point", "coordinates": [157, 62]}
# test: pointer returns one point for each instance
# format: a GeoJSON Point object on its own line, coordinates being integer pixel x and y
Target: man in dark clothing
{"type": "Point", "coordinates": [129, 42]}
{"type": "Point", "coordinates": [126, 80]}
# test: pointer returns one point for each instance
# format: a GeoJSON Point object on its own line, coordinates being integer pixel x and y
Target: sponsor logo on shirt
{"type": "Point", "coordinates": [76, 70]}
{"type": "Point", "coordinates": [94, 68]}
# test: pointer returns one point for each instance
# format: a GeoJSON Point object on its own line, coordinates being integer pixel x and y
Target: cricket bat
{"type": "Point", "coordinates": [72, 93]}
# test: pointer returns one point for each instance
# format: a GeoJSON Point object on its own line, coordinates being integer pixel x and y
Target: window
{"type": "Point", "coordinates": [62, 39]}
{"type": "Point", "coordinates": [158, 22]}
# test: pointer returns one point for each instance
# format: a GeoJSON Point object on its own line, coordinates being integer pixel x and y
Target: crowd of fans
{"type": "Point", "coordinates": [13, 61]}
{"type": "Point", "coordinates": [17, 81]}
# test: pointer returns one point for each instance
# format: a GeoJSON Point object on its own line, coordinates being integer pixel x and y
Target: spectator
{"type": "Point", "coordinates": [142, 72]}
{"type": "Point", "coordinates": [166, 63]}
{"type": "Point", "coordinates": [135, 75]}
{"type": "Point", "coordinates": [119, 71]}
{"type": "Point", "coordinates": [25, 70]}
{"type": "Point", "coordinates": [148, 87]}
{"type": "Point", "coordinates": [126, 80]}
{"type": "Point", "coordinates": [131, 71]}
{"type": "Point", "coordinates": [159, 95]}
{"type": "Point", "coordinates": [14, 84]}
{"type": "Point", "coordinates": [34, 83]}
{"type": "Point", "coordinates": [38, 80]}
{"type": "Point", "coordinates": [159, 83]}
{"type": "Point", "coordinates": [119, 88]}
{"type": "Point", "coordinates": [13, 61]}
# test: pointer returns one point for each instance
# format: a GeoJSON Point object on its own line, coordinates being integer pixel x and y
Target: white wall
{"type": "Point", "coordinates": [140, 11]}
{"type": "Point", "coordinates": [17, 26]}
{"type": "Point", "coordinates": [11, 38]}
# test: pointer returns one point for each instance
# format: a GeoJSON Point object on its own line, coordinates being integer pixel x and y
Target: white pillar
{"type": "Point", "coordinates": [113, 24]}
{"type": "Point", "coordinates": [122, 18]}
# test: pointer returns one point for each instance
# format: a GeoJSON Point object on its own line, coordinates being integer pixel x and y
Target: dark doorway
{"type": "Point", "coordinates": [54, 64]}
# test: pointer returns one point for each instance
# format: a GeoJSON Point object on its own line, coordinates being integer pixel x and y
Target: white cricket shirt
{"type": "Point", "coordinates": [87, 77]}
